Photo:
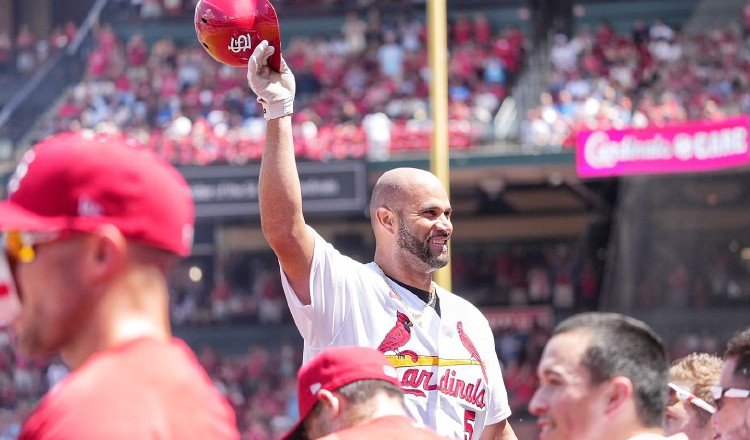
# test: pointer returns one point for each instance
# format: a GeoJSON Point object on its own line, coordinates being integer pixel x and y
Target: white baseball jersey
{"type": "Point", "coordinates": [447, 364]}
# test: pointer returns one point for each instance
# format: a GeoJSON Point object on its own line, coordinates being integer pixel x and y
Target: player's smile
{"type": "Point", "coordinates": [545, 426]}
{"type": "Point", "coordinates": [438, 244]}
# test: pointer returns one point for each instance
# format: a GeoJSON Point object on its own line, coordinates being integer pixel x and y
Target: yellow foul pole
{"type": "Point", "coordinates": [437, 51]}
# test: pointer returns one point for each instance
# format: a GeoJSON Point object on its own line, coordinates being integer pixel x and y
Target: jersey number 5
{"type": "Point", "coordinates": [469, 419]}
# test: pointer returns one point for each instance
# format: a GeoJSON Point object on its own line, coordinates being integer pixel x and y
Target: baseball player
{"type": "Point", "coordinates": [91, 228]}
{"type": "Point", "coordinates": [440, 344]}
{"type": "Point", "coordinates": [602, 376]}
{"type": "Point", "coordinates": [353, 393]}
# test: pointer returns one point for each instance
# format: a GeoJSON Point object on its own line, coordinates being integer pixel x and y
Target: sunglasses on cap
{"type": "Point", "coordinates": [678, 393]}
{"type": "Point", "coordinates": [720, 393]}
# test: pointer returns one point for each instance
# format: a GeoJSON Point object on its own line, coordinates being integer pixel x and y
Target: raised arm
{"type": "Point", "coordinates": [279, 187]}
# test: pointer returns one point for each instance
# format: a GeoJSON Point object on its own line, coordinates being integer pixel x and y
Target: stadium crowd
{"type": "Point", "coordinates": [25, 52]}
{"type": "Point", "coordinates": [716, 277]}
{"type": "Point", "coordinates": [362, 93]}
{"type": "Point", "coordinates": [655, 76]}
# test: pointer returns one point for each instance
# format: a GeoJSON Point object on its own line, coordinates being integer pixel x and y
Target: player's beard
{"type": "Point", "coordinates": [420, 248]}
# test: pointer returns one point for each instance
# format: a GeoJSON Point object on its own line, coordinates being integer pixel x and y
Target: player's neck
{"type": "Point", "coordinates": [630, 432]}
{"type": "Point", "coordinates": [132, 307]}
{"type": "Point", "coordinates": [402, 273]}
{"type": "Point", "coordinates": [391, 410]}
{"type": "Point", "coordinates": [378, 406]}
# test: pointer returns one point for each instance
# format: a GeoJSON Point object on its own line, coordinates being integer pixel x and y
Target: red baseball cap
{"type": "Point", "coordinates": [333, 368]}
{"type": "Point", "coordinates": [78, 181]}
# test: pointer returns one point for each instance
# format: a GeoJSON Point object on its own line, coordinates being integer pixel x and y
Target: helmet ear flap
{"type": "Point", "coordinates": [229, 30]}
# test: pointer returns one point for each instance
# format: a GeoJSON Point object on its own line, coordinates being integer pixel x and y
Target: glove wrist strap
{"type": "Point", "coordinates": [278, 109]}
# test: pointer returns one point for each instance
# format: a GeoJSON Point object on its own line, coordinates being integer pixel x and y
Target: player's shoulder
{"type": "Point", "coordinates": [104, 387]}
{"type": "Point", "coordinates": [326, 250]}
{"type": "Point", "coordinates": [463, 306]}
{"type": "Point", "coordinates": [70, 402]}
{"type": "Point", "coordinates": [123, 368]}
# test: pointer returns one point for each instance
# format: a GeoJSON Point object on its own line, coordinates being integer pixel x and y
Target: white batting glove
{"type": "Point", "coordinates": [275, 90]}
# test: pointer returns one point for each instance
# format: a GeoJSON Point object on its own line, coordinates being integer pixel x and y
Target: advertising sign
{"type": "Point", "coordinates": [688, 147]}
{"type": "Point", "coordinates": [223, 191]}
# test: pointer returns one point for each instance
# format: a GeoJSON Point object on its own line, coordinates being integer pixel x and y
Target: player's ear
{"type": "Point", "coordinates": [617, 391]}
{"type": "Point", "coordinates": [330, 401]}
{"type": "Point", "coordinates": [106, 251]}
{"type": "Point", "coordinates": [386, 219]}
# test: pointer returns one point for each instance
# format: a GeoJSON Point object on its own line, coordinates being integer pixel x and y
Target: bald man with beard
{"type": "Point", "coordinates": [440, 344]}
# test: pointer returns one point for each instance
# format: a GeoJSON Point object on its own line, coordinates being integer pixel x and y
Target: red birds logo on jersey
{"type": "Point", "coordinates": [470, 347]}
{"type": "Point", "coordinates": [397, 337]}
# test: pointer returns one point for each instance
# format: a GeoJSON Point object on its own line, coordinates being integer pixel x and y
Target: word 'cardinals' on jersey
{"type": "Point", "coordinates": [447, 364]}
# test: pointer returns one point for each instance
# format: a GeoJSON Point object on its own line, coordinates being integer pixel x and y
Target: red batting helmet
{"type": "Point", "coordinates": [229, 30]}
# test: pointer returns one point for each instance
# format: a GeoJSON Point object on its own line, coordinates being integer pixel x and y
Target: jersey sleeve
{"type": "Point", "coordinates": [320, 321]}
{"type": "Point", "coordinates": [498, 408]}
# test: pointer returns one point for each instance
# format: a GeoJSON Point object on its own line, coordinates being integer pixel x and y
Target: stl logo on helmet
{"type": "Point", "coordinates": [229, 30]}
{"type": "Point", "coordinates": [242, 42]}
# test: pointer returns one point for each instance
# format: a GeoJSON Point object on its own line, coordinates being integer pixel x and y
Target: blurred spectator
{"type": "Point", "coordinates": [150, 9]}
{"type": "Point", "coordinates": [25, 50]}
{"type": "Point", "coordinates": [354, 30]}
{"type": "Point", "coordinates": [58, 40]}
{"type": "Point", "coordinates": [377, 128]}
{"type": "Point", "coordinates": [661, 31]}
{"type": "Point", "coordinates": [564, 54]}
{"type": "Point", "coordinates": [691, 378]}
{"type": "Point", "coordinates": [391, 57]}
{"type": "Point", "coordinates": [6, 53]}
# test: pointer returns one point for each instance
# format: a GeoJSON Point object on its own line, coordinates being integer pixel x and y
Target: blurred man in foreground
{"type": "Point", "coordinates": [91, 228]}
{"type": "Point", "coordinates": [601, 376]}
{"type": "Point", "coordinates": [353, 393]}
{"type": "Point", "coordinates": [732, 395]}
{"type": "Point", "coordinates": [690, 402]}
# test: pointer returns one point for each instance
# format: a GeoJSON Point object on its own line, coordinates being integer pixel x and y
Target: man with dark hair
{"type": "Point", "coordinates": [689, 409]}
{"type": "Point", "coordinates": [732, 395]}
{"type": "Point", "coordinates": [91, 229]}
{"type": "Point", "coordinates": [353, 393]}
{"type": "Point", "coordinates": [602, 375]}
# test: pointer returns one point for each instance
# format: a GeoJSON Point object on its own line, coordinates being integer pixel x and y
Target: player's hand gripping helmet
{"type": "Point", "coordinates": [229, 30]}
